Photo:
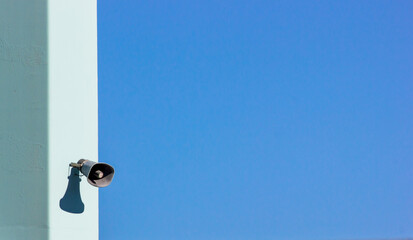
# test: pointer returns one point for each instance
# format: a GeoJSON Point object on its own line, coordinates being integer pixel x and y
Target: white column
{"type": "Point", "coordinates": [73, 115]}
{"type": "Point", "coordinates": [48, 118]}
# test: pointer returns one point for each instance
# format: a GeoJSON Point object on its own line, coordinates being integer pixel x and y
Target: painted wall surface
{"type": "Point", "coordinates": [48, 118]}
{"type": "Point", "coordinates": [73, 116]}
{"type": "Point", "coordinates": [23, 120]}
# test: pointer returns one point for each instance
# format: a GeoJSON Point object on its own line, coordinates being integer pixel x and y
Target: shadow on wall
{"type": "Point", "coordinates": [72, 201]}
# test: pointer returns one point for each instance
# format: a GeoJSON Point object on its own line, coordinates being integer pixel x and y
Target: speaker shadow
{"type": "Point", "coordinates": [72, 201]}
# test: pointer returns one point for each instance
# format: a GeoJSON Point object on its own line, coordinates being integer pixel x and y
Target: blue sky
{"type": "Point", "coordinates": [256, 119]}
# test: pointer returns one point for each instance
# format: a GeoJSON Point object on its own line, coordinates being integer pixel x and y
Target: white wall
{"type": "Point", "coordinates": [23, 120]}
{"type": "Point", "coordinates": [48, 118]}
{"type": "Point", "coordinates": [73, 113]}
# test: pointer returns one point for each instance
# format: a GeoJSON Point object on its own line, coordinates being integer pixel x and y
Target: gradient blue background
{"type": "Point", "coordinates": [256, 119]}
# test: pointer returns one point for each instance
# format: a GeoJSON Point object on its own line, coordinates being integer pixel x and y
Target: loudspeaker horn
{"type": "Point", "coordinates": [98, 174]}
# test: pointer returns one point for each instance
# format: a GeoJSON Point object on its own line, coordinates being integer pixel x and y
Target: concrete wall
{"type": "Point", "coordinates": [48, 118]}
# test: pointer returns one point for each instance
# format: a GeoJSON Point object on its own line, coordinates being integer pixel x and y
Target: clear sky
{"type": "Point", "coordinates": [256, 119]}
